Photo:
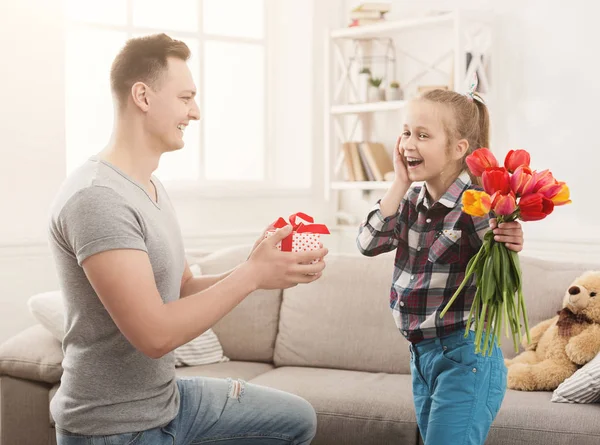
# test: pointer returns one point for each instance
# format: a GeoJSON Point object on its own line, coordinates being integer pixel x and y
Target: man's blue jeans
{"type": "Point", "coordinates": [224, 412]}
{"type": "Point", "coordinates": [457, 392]}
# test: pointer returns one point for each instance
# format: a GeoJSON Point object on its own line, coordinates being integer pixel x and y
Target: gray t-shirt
{"type": "Point", "coordinates": [108, 386]}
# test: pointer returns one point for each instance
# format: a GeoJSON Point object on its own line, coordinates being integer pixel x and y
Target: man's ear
{"type": "Point", "coordinates": [139, 94]}
{"type": "Point", "coordinates": [461, 148]}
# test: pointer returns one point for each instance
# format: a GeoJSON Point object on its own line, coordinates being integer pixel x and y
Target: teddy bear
{"type": "Point", "coordinates": [561, 345]}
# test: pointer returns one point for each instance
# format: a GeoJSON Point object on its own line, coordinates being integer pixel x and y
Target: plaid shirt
{"type": "Point", "coordinates": [434, 244]}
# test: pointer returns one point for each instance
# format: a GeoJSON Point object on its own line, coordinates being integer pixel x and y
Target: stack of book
{"type": "Point", "coordinates": [366, 161]}
{"type": "Point", "coordinates": [368, 13]}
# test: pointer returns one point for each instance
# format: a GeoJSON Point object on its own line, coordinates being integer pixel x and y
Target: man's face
{"type": "Point", "coordinates": [172, 105]}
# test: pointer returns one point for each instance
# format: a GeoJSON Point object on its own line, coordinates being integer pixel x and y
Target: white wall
{"type": "Point", "coordinates": [545, 99]}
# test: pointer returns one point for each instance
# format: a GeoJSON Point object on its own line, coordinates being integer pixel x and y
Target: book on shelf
{"type": "Point", "coordinates": [362, 22]}
{"type": "Point", "coordinates": [366, 161]}
{"type": "Point", "coordinates": [373, 6]}
{"type": "Point", "coordinates": [348, 161]}
{"type": "Point", "coordinates": [368, 13]}
{"type": "Point", "coordinates": [378, 159]}
{"type": "Point", "coordinates": [359, 170]}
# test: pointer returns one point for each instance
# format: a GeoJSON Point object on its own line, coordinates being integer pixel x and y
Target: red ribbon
{"type": "Point", "coordinates": [300, 227]}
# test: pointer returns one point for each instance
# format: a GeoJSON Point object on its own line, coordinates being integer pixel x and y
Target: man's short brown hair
{"type": "Point", "coordinates": [143, 59]}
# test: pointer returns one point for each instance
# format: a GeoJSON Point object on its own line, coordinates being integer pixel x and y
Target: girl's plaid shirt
{"type": "Point", "coordinates": [433, 245]}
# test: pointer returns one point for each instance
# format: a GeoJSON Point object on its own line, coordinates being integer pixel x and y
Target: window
{"type": "Point", "coordinates": [231, 62]}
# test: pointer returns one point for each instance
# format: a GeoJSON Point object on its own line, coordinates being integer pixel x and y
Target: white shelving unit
{"type": "Point", "coordinates": [468, 39]}
{"type": "Point", "coordinates": [368, 107]}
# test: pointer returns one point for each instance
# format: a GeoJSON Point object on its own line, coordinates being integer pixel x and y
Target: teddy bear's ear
{"type": "Point", "coordinates": [588, 274]}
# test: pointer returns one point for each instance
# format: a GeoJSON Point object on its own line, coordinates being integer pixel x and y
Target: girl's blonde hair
{"type": "Point", "coordinates": [471, 119]}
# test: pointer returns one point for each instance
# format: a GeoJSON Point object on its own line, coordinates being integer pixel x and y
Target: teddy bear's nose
{"type": "Point", "coordinates": [574, 290]}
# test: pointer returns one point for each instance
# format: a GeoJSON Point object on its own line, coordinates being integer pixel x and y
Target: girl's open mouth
{"type": "Point", "coordinates": [413, 162]}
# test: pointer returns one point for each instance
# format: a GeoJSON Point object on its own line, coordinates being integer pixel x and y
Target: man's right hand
{"type": "Point", "coordinates": [274, 269]}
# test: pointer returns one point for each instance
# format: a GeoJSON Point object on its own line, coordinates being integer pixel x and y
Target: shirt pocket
{"type": "Point", "coordinates": [445, 249]}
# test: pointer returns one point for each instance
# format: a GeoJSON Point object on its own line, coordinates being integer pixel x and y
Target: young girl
{"type": "Point", "coordinates": [457, 393]}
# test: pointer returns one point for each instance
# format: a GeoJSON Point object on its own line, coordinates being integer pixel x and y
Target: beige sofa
{"type": "Point", "coordinates": [332, 342]}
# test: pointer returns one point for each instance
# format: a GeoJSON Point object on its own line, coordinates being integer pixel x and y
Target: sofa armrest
{"type": "Point", "coordinates": [24, 412]}
{"type": "Point", "coordinates": [33, 354]}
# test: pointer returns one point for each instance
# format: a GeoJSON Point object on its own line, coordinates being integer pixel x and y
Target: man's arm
{"type": "Point", "coordinates": [192, 285]}
{"type": "Point", "coordinates": [123, 280]}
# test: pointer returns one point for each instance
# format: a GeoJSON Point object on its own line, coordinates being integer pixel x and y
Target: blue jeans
{"type": "Point", "coordinates": [224, 412]}
{"type": "Point", "coordinates": [457, 393]}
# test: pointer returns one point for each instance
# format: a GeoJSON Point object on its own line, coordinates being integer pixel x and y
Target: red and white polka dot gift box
{"type": "Point", "coordinates": [304, 237]}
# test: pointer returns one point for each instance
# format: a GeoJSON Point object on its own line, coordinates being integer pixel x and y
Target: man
{"type": "Point", "coordinates": [120, 260]}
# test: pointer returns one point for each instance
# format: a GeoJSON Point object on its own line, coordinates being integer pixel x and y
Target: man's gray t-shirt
{"type": "Point", "coordinates": [108, 386]}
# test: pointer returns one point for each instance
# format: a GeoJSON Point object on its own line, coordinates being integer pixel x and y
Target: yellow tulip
{"type": "Point", "coordinates": [563, 196]}
{"type": "Point", "coordinates": [476, 203]}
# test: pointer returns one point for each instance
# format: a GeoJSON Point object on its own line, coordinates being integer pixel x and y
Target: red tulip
{"type": "Point", "coordinates": [522, 181]}
{"type": "Point", "coordinates": [534, 207]}
{"type": "Point", "coordinates": [496, 179]}
{"type": "Point", "coordinates": [481, 159]}
{"type": "Point", "coordinates": [515, 159]}
{"type": "Point", "coordinates": [542, 179]}
{"type": "Point", "coordinates": [503, 204]}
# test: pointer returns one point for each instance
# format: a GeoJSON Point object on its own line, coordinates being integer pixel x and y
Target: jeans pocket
{"type": "Point", "coordinates": [461, 356]}
{"type": "Point", "coordinates": [497, 389]}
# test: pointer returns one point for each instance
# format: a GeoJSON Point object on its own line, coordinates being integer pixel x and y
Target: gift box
{"type": "Point", "coordinates": [305, 236]}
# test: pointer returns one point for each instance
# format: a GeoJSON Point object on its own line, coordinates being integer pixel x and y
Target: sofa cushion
{"type": "Point", "coordinates": [248, 332]}
{"type": "Point", "coordinates": [235, 370]}
{"type": "Point", "coordinates": [544, 286]}
{"type": "Point", "coordinates": [353, 408]}
{"type": "Point", "coordinates": [531, 418]}
{"type": "Point", "coordinates": [32, 354]}
{"type": "Point", "coordinates": [49, 309]}
{"type": "Point", "coordinates": [343, 320]}
{"type": "Point", "coordinates": [581, 387]}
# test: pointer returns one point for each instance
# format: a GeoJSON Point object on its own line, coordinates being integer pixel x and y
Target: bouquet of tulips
{"type": "Point", "coordinates": [511, 192]}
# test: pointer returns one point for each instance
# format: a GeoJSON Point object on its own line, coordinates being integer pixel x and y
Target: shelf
{"type": "Point", "coordinates": [368, 107]}
{"type": "Point", "coordinates": [361, 185]}
{"type": "Point", "coordinates": [388, 27]}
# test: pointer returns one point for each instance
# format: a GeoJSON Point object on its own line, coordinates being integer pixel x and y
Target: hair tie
{"type": "Point", "coordinates": [471, 95]}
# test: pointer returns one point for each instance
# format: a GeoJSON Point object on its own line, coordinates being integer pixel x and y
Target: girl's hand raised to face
{"type": "Point", "coordinates": [400, 169]}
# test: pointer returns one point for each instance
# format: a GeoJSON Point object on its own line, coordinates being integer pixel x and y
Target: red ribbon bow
{"type": "Point", "coordinates": [300, 227]}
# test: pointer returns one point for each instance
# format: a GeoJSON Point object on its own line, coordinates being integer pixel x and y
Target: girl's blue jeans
{"type": "Point", "coordinates": [457, 393]}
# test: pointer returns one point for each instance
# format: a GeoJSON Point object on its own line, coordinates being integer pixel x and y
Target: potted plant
{"type": "Point", "coordinates": [376, 93]}
{"type": "Point", "coordinates": [363, 84]}
{"type": "Point", "coordinates": [394, 92]}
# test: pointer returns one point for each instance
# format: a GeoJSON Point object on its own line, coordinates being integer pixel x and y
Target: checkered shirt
{"type": "Point", "coordinates": [433, 244]}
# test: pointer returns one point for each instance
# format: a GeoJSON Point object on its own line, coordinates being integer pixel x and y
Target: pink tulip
{"type": "Point", "coordinates": [542, 179]}
{"type": "Point", "coordinates": [504, 204]}
{"type": "Point", "coordinates": [522, 181]}
{"type": "Point", "coordinates": [558, 192]}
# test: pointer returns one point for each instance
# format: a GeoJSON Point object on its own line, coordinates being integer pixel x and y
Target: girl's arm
{"type": "Point", "coordinates": [383, 229]}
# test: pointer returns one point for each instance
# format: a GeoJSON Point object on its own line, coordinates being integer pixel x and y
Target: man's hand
{"type": "Point", "coordinates": [257, 242]}
{"type": "Point", "coordinates": [273, 269]}
{"type": "Point", "coordinates": [509, 233]}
